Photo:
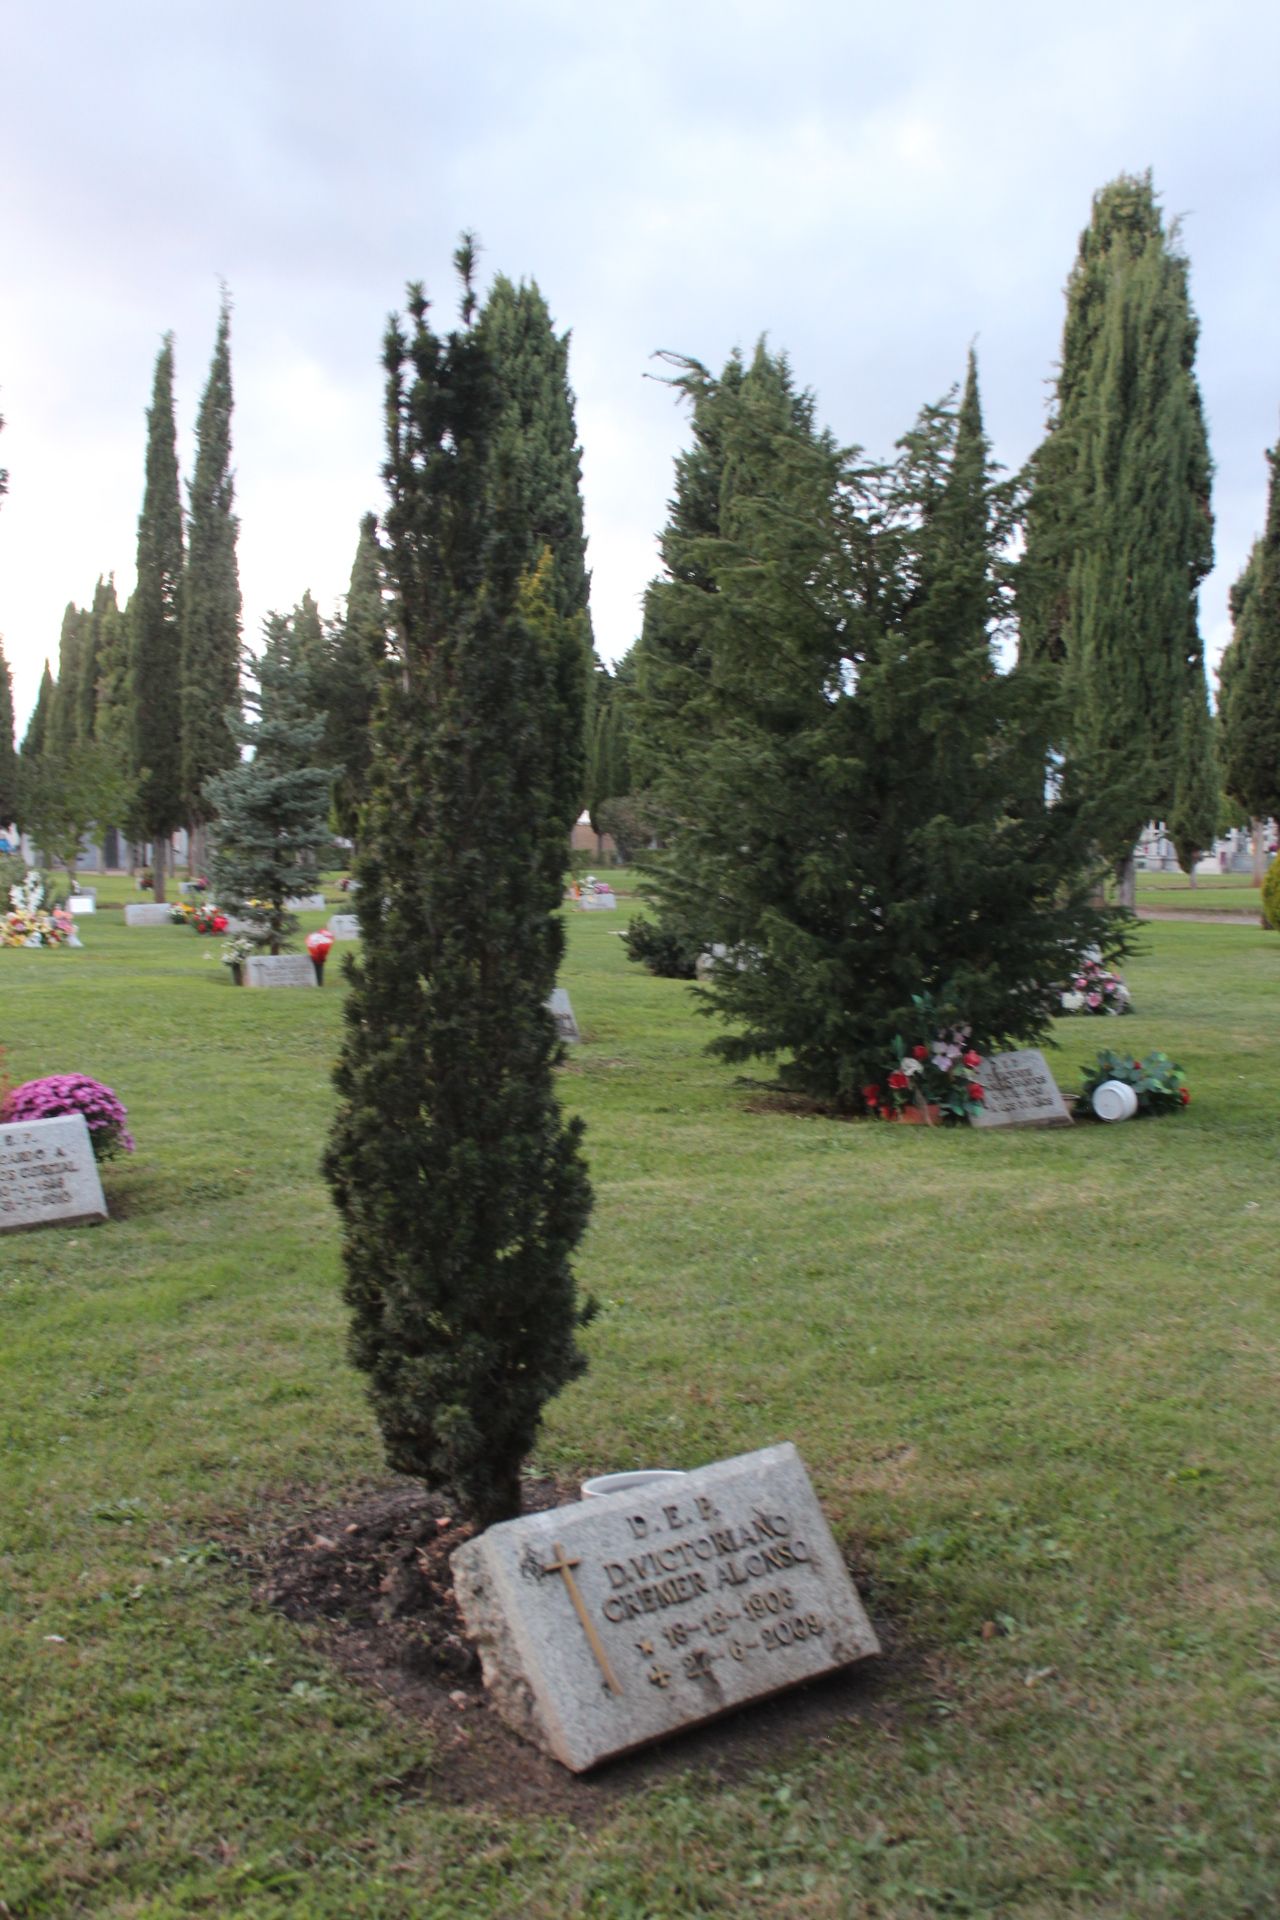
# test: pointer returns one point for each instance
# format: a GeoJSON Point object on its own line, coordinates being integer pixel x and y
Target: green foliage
{"type": "Point", "coordinates": [348, 690]}
{"type": "Point", "coordinates": [1250, 671]}
{"type": "Point", "coordinates": [661, 950]}
{"type": "Point", "coordinates": [1271, 897]}
{"type": "Point", "coordinates": [1119, 528]}
{"type": "Point", "coordinates": [155, 627]}
{"type": "Point", "coordinates": [9, 803]}
{"type": "Point", "coordinates": [861, 808]}
{"type": "Point", "coordinates": [462, 1190]}
{"type": "Point", "coordinates": [66, 795]}
{"type": "Point", "coordinates": [210, 644]}
{"type": "Point", "coordinates": [1197, 790]}
{"type": "Point", "coordinates": [1158, 1081]}
{"type": "Point", "coordinates": [271, 810]}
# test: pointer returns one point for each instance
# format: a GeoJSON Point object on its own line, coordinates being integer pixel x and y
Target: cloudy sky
{"type": "Point", "coordinates": [873, 187]}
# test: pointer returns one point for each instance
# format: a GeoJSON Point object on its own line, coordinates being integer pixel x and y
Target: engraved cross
{"type": "Point", "coordinates": [561, 1564]}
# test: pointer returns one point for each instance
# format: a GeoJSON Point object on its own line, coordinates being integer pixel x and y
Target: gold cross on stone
{"type": "Point", "coordinates": [561, 1564]}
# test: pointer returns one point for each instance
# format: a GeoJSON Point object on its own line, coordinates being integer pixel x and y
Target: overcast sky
{"type": "Point", "coordinates": [874, 187]}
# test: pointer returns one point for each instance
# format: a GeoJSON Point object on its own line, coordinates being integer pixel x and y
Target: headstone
{"type": "Point", "coordinates": [609, 1624]}
{"type": "Point", "coordinates": [598, 903]}
{"type": "Point", "coordinates": [306, 903]}
{"type": "Point", "coordinates": [81, 903]}
{"type": "Point", "coordinates": [279, 970]}
{"type": "Point", "coordinates": [147, 914]}
{"type": "Point", "coordinates": [561, 1011]}
{"type": "Point", "coordinates": [1019, 1091]}
{"type": "Point", "coordinates": [344, 926]}
{"type": "Point", "coordinates": [48, 1175]}
{"type": "Point", "coordinates": [235, 926]}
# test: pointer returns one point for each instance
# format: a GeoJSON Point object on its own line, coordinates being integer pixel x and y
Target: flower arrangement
{"type": "Point", "coordinates": [201, 918]}
{"type": "Point", "coordinates": [940, 1072]}
{"type": "Point", "coordinates": [63, 1093]}
{"type": "Point", "coordinates": [28, 924]}
{"type": "Point", "coordinates": [181, 913]}
{"type": "Point", "coordinates": [1093, 988]}
{"type": "Point", "coordinates": [1158, 1082]}
{"type": "Point", "coordinates": [236, 951]}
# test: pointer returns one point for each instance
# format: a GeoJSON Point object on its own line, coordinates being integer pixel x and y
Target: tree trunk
{"type": "Point", "coordinates": [1259, 852]}
{"type": "Point", "coordinates": [159, 868]}
{"type": "Point", "coordinates": [197, 851]}
{"type": "Point", "coordinates": [1191, 874]}
{"type": "Point", "coordinates": [1126, 883]}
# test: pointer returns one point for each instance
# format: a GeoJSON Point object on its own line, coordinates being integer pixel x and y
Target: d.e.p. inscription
{"type": "Point", "coordinates": [607, 1625]}
{"type": "Point", "coordinates": [48, 1175]}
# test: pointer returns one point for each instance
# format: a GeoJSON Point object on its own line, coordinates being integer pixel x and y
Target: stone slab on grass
{"type": "Point", "coordinates": [1020, 1091]}
{"type": "Point", "coordinates": [279, 970]}
{"type": "Point", "coordinates": [48, 1175]}
{"type": "Point", "coordinates": [306, 903]}
{"type": "Point", "coordinates": [147, 914]}
{"type": "Point", "coordinates": [344, 926]}
{"type": "Point", "coordinates": [613, 1623]}
{"type": "Point", "coordinates": [560, 1008]}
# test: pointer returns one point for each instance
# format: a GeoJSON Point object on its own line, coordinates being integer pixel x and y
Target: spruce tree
{"type": "Point", "coordinates": [155, 632]}
{"type": "Point", "coordinates": [210, 655]}
{"type": "Point", "coordinates": [9, 803]}
{"type": "Point", "coordinates": [1119, 528]}
{"type": "Point", "coordinates": [461, 1188]}
{"type": "Point", "coordinates": [1250, 671]}
{"type": "Point", "coordinates": [270, 810]}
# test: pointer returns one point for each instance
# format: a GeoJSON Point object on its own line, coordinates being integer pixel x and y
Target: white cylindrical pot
{"type": "Point", "coordinates": [1113, 1100]}
{"type": "Point", "coordinates": [606, 1483]}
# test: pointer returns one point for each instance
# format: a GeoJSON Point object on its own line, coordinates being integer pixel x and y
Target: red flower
{"type": "Point", "coordinates": [975, 1091]}
{"type": "Point", "coordinates": [898, 1081]}
{"type": "Point", "coordinates": [921, 1053]}
{"type": "Point", "coordinates": [219, 922]}
{"type": "Point", "coordinates": [1137, 1066]}
{"type": "Point", "coordinates": [871, 1094]}
{"type": "Point", "coordinates": [886, 1113]}
{"type": "Point", "coordinates": [1185, 1096]}
{"type": "Point", "coordinates": [971, 1059]}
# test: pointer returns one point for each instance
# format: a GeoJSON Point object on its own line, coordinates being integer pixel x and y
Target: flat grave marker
{"type": "Point", "coordinates": [279, 970]}
{"type": "Point", "coordinates": [344, 926]}
{"type": "Point", "coordinates": [48, 1175]}
{"type": "Point", "coordinates": [607, 1625]}
{"type": "Point", "coordinates": [81, 903]}
{"type": "Point", "coordinates": [560, 1007]}
{"type": "Point", "coordinates": [1020, 1091]}
{"type": "Point", "coordinates": [147, 913]}
{"type": "Point", "coordinates": [598, 903]}
{"type": "Point", "coordinates": [306, 903]}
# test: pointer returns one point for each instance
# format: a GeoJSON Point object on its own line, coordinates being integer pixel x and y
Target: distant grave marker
{"type": "Point", "coordinates": [561, 1010]}
{"type": "Point", "coordinates": [1020, 1091]}
{"type": "Point", "coordinates": [279, 970]}
{"type": "Point", "coordinates": [48, 1175]}
{"type": "Point", "coordinates": [306, 903]}
{"type": "Point", "coordinates": [82, 903]}
{"type": "Point", "coordinates": [147, 913]}
{"type": "Point", "coordinates": [344, 926]}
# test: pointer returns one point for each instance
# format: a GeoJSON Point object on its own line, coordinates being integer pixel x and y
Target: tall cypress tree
{"type": "Point", "coordinates": [357, 648]}
{"type": "Point", "coordinates": [9, 803]}
{"type": "Point", "coordinates": [156, 629]}
{"type": "Point", "coordinates": [64, 724]}
{"type": "Point", "coordinates": [1119, 529]}
{"type": "Point", "coordinates": [1250, 673]}
{"type": "Point", "coordinates": [31, 752]}
{"type": "Point", "coordinates": [210, 657]}
{"type": "Point", "coordinates": [462, 1190]}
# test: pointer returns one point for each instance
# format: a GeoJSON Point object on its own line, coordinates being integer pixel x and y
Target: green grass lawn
{"type": "Point", "coordinates": [1033, 1377]}
{"type": "Point", "coordinates": [1212, 892]}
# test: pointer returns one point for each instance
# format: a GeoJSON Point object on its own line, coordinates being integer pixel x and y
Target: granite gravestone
{"type": "Point", "coordinates": [1020, 1091]}
{"type": "Point", "coordinates": [279, 970]}
{"type": "Point", "coordinates": [598, 903]}
{"type": "Point", "coordinates": [48, 1175]}
{"type": "Point", "coordinates": [604, 1626]}
{"type": "Point", "coordinates": [344, 926]}
{"type": "Point", "coordinates": [147, 914]}
{"type": "Point", "coordinates": [306, 903]}
{"type": "Point", "coordinates": [561, 1010]}
{"type": "Point", "coordinates": [81, 903]}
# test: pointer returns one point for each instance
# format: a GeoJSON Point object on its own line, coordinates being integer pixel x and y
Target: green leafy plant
{"type": "Point", "coordinates": [1158, 1081]}
{"type": "Point", "coordinates": [1271, 897]}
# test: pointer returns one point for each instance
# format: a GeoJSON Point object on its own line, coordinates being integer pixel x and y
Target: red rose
{"type": "Point", "coordinates": [921, 1053]}
{"type": "Point", "coordinates": [219, 922]}
{"type": "Point", "coordinates": [971, 1059]}
{"type": "Point", "coordinates": [898, 1081]}
{"type": "Point", "coordinates": [886, 1113]}
{"type": "Point", "coordinates": [1185, 1096]}
{"type": "Point", "coordinates": [975, 1091]}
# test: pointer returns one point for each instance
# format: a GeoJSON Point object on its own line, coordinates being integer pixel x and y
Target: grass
{"type": "Point", "coordinates": [1212, 893]}
{"type": "Point", "coordinates": [1033, 1377]}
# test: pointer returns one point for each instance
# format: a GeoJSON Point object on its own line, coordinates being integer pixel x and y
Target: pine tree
{"type": "Point", "coordinates": [1250, 672]}
{"type": "Point", "coordinates": [1119, 529]}
{"type": "Point", "coordinates": [9, 804]}
{"type": "Point", "coordinates": [155, 631]}
{"type": "Point", "coordinates": [210, 655]}
{"type": "Point", "coordinates": [462, 1190]}
{"type": "Point", "coordinates": [270, 810]}
{"type": "Point", "coordinates": [357, 648]}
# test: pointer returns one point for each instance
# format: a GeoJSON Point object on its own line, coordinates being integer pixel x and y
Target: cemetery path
{"type": "Point", "coordinates": [1229, 916]}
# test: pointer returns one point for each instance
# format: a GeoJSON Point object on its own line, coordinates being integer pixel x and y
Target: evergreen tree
{"type": "Point", "coordinates": [462, 1190]}
{"type": "Point", "coordinates": [357, 648]}
{"type": "Point", "coordinates": [271, 809]}
{"type": "Point", "coordinates": [9, 803]}
{"type": "Point", "coordinates": [1119, 528]}
{"type": "Point", "coordinates": [31, 752]}
{"type": "Point", "coordinates": [64, 712]}
{"type": "Point", "coordinates": [155, 632]}
{"type": "Point", "coordinates": [867, 816]}
{"type": "Point", "coordinates": [1250, 671]}
{"type": "Point", "coordinates": [1197, 792]}
{"type": "Point", "coordinates": [210, 650]}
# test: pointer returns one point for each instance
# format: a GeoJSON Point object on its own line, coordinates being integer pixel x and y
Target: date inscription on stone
{"type": "Point", "coordinates": [48, 1175]}
{"type": "Point", "coordinates": [610, 1624]}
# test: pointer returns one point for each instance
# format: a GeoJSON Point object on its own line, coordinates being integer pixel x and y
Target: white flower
{"type": "Point", "coordinates": [911, 1066]}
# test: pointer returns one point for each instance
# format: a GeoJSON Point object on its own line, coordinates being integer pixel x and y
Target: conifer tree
{"type": "Point", "coordinates": [31, 752]}
{"type": "Point", "coordinates": [1119, 529]}
{"type": "Point", "coordinates": [9, 803]}
{"type": "Point", "coordinates": [64, 713]}
{"type": "Point", "coordinates": [210, 656]}
{"type": "Point", "coordinates": [462, 1190]}
{"type": "Point", "coordinates": [1197, 792]}
{"type": "Point", "coordinates": [1250, 674]}
{"type": "Point", "coordinates": [270, 810]}
{"type": "Point", "coordinates": [357, 647]}
{"type": "Point", "coordinates": [155, 631]}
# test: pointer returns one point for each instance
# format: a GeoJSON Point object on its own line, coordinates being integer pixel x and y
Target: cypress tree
{"type": "Point", "coordinates": [357, 647]}
{"type": "Point", "coordinates": [1250, 670]}
{"type": "Point", "coordinates": [155, 631]}
{"type": "Point", "coordinates": [1197, 792]}
{"type": "Point", "coordinates": [31, 752]}
{"type": "Point", "coordinates": [271, 808]}
{"type": "Point", "coordinates": [461, 1188]}
{"type": "Point", "coordinates": [9, 803]}
{"type": "Point", "coordinates": [64, 724]}
{"type": "Point", "coordinates": [1119, 528]}
{"type": "Point", "coordinates": [210, 657]}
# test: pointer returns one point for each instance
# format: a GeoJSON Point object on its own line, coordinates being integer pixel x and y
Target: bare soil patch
{"type": "Point", "coordinates": [370, 1580]}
